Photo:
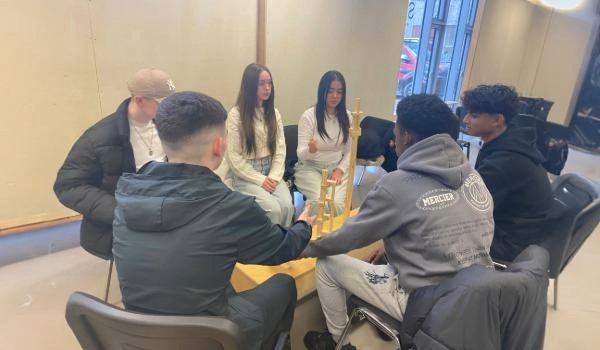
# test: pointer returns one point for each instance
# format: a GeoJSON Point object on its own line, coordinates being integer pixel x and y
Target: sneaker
{"type": "Point", "coordinates": [314, 340]}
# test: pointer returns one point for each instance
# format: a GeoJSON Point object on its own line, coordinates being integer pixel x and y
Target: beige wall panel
{"type": "Point", "coordinates": [502, 42]}
{"type": "Point", "coordinates": [361, 39]}
{"type": "Point", "coordinates": [49, 97]}
{"type": "Point", "coordinates": [51, 86]}
{"type": "Point", "coordinates": [539, 25]}
{"type": "Point", "coordinates": [564, 62]}
{"type": "Point", "coordinates": [544, 53]}
{"type": "Point", "coordinates": [203, 44]}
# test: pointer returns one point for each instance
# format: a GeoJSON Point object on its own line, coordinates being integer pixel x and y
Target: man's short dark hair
{"type": "Point", "coordinates": [186, 113]}
{"type": "Point", "coordinates": [426, 115]}
{"type": "Point", "coordinates": [492, 99]}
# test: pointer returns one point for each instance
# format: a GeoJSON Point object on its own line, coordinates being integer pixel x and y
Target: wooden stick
{"type": "Point", "coordinates": [331, 203]}
{"type": "Point", "coordinates": [354, 134]}
{"type": "Point", "coordinates": [322, 199]}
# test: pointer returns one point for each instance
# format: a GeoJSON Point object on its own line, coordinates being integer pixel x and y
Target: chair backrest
{"type": "Point", "coordinates": [577, 201]}
{"type": "Point", "coordinates": [290, 132]}
{"type": "Point", "coordinates": [480, 308]}
{"type": "Point", "coordinates": [551, 141]}
{"type": "Point", "coordinates": [375, 136]}
{"type": "Point", "coordinates": [536, 107]}
{"type": "Point", "coordinates": [100, 326]}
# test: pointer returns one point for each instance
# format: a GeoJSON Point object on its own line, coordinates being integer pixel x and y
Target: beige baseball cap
{"type": "Point", "coordinates": [151, 83]}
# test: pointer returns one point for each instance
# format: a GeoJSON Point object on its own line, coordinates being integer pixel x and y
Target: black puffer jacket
{"type": "Point", "coordinates": [87, 180]}
{"type": "Point", "coordinates": [179, 231]}
{"type": "Point", "coordinates": [510, 166]}
{"type": "Point", "coordinates": [482, 309]}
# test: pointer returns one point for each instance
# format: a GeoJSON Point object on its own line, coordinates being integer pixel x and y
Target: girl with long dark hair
{"type": "Point", "coordinates": [324, 141]}
{"type": "Point", "coordinates": [256, 145]}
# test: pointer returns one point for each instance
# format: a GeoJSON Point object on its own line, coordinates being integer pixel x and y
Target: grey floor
{"type": "Point", "coordinates": [34, 290]}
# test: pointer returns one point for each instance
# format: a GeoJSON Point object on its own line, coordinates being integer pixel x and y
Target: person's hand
{"type": "Point", "coordinates": [312, 145]}
{"type": "Point", "coordinates": [269, 184]}
{"type": "Point", "coordinates": [304, 216]}
{"type": "Point", "coordinates": [336, 175]}
{"type": "Point", "coordinates": [376, 256]}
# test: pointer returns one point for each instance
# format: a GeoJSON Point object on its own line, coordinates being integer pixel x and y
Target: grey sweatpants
{"type": "Point", "coordinates": [278, 205]}
{"type": "Point", "coordinates": [339, 276]}
{"type": "Point", "coordinates": [308, 181]}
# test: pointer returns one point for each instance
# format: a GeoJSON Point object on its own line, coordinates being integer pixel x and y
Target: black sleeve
{"type": "Point", "coordinates": [77, 184]}
{"type": "Point", "coordinates": [262, 242]}
{"type": "Point", "coordinates": [495, 180]}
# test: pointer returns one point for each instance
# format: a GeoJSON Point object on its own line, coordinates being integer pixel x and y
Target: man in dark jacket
{"type": "Point", "coordinates": [510, 165]}
{"type": "Point", "coordinates": [179, 231]}
{"type": "Point", "coordinates": [86, 182]}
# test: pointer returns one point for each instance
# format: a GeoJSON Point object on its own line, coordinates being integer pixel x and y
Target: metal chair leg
{"type": "Point", "coordinates": [347, 329]}
{"type": "Point", "coordinates": [374, 320]}
{"type": "Point", "coordinates": [110, 268]}
{"type": "Point", "coordinates": [555, 293]}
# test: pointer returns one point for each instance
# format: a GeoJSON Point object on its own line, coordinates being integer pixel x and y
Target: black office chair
{"type": "Point", "coordinates": [479, 308]}
{"type": "Point", "coordinates": [99, 245]}
{"type": "Point", "coordinates": [373, 145]}
{"type": "Point", "coordinates": [551, 141]}
{"type": "Point", "coordinates": [535, 107]}
{"type": "Point", "coordinates": [100, 326]}
{"type": "Point", "coordinates": [577, 201]}
{"type": "Point", "coordinates": [105, 254]}
{"type": "Point", "coordinates": [290, 133]}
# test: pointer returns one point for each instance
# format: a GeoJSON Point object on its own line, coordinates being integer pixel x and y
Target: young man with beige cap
{"type": "Point", "coordinates": [120, 143]}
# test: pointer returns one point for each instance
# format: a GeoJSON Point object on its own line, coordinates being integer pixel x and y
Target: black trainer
{"type": "Point", "coordinates": [314, 340]}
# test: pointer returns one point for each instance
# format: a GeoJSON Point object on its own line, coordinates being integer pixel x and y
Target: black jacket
{"type": "Point", "coordinates": [178, 233]}
{"type": "Point", "coordinates": [510, 167]}
{"type": "Point", "coordinates": [482, 309]}
{"type": "Point", "coordinates": [86, 182]}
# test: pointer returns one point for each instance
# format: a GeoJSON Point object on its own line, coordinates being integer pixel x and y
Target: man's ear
{"type": "Point", "coordinates": [136, 99]}
{"type": "Point", "coordinates": [500, 119]}
{"type": "Point", "coordinates": [218, 146]}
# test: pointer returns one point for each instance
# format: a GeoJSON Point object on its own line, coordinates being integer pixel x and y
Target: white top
{"type": "Point", "coordinates": [332, 151]}
{"type": "Point", "coordinates": [236, 157]}
{"type": "Point", "coordinates": [145, 143]}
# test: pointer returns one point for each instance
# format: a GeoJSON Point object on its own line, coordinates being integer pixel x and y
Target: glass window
{"type": "Point", "coordinates": [445, 26]}
{"type": "Point", "coordinates": [410, 49]}
{"type": "Point", "coordinates": [438, 9]}
{"type": "Point", "coordinates": [432, 48]}
{"type": "Point", "coordinates": [463, 59]}
{"type": "Point", "coordinates": [472, 12]}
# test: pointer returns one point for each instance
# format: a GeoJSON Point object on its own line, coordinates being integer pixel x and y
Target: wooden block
{"type": "Point", "coordinates": [246, 277]}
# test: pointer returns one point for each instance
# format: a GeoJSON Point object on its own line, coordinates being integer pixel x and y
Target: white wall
{"type": "Point", "coordinates": [361, 39]}
{"type": "Point", "coordinates": [564, 57]}
{"type": "Point", "coordinates": [543, 53]}
{"type": "Point", "coordinates": [65, 63]}
{"type": "Point", "coordinates": [501, 42]}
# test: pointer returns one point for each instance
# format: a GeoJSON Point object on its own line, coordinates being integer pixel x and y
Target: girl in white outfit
{"type": "Point", "coordinates": [323, 142]}
{"type": "Point", "coordinates": [256, 145]}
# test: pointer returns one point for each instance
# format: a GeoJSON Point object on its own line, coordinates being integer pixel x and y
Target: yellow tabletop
{"type": "Point", "coordinates": [303, 271]}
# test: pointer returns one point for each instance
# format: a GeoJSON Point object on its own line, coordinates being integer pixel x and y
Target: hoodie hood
{"type": "Point", "coordinates": [156, 200]}
{"type": "Point", "coordinates": [438, 157]}
{"type": "Point", "coordinates": [520, 140]}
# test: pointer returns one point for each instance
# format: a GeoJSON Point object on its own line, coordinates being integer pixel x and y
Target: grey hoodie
{"type": "Point", "coordinates": [434, 215]}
